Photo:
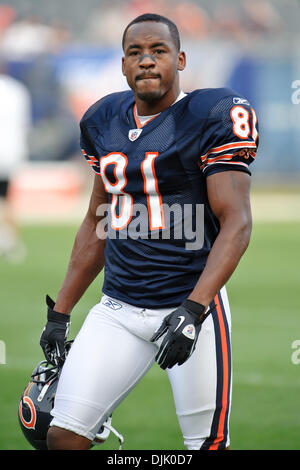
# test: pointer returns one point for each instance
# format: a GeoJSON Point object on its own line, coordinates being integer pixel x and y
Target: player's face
{"type": "Point", "coordinates": [150, 64]}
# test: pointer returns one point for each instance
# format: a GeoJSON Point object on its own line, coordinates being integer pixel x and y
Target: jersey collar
{"type": "Point", "coordinates": [140, 123]}
{"type": "Point", "coordinates": [137, 119]}
{"type": "Point", "coordinates": [129, 118]}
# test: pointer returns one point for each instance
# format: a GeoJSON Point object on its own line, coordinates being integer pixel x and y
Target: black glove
{"type": "Point", "coordinates": [182, 328]}
{"type": "Point", "coordinates": [54, 335]}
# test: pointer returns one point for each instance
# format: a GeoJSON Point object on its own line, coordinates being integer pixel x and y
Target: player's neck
{"type": "Point", "coordinates": [150, 108]}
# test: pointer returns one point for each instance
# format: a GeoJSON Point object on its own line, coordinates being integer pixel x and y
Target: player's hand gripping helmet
{"type": "Point", "coordinates": [37, 401]}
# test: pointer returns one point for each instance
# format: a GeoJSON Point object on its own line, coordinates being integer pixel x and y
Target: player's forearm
{"type": "Point", "coordinates": [86, 261]}
{"type": "Point", "coordinates": [229, 247]}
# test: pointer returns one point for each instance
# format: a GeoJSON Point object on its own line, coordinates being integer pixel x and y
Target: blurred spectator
{"type": "Point", "coordinates": [106, 22]}
{"type": "Point", "coordinates": [7, 16]}
{"type": "Point", "coordinates": [139, 7]}
{"type": "Point", "coordinates": [29, 37]}
{"type": "Point", "coordinates": [226, 23]}
{"type": "Point", "coordinates": [261, 16]}
{"type": "Point", "coordinates": [247, 21]}
{"type": "Point", "coordinates": [191, 20]}
{"type": "Point", "coordinates": [15, 114]}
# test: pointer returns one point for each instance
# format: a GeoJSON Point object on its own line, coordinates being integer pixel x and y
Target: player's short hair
{"type": "Point", "coordinates": [158, 19]}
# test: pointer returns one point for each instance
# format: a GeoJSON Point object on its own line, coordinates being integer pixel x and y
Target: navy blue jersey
{"type": "Point", "coordinates": [160, 227]}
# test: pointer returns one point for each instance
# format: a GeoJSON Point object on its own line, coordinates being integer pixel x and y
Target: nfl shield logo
{"type": "Point", "coordinates": [189, 332]}
{"type": "Point", "coordinates": [133, 134]}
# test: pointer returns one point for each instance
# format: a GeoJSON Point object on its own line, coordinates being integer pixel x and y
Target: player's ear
{"type": "Point", "coordinates": [181, 61]}
{"type": "Point", "coordinates": [123, 65]}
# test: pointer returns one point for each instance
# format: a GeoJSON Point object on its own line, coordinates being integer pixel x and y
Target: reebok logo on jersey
{"type": "Point", "coordinates": [112, 304]}
{"type": "Point", "coordinates": [189, 331]}
{"type": "Point", "coordinates": [238, 100]}
{"type": "Point", "coordinates": [134, 134]}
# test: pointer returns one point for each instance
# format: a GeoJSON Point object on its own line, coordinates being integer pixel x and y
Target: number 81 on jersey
{"type": "Point", "coordinates": [154, 201]}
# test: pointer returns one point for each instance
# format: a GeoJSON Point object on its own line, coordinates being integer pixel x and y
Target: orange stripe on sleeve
{"type": "Point", "coordinates": [231, 146]}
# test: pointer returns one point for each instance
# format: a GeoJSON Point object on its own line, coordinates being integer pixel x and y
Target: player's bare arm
{"type": "Point", "coordinates": [86, 261]}
{"type": "Point", "coordinates": [229, 198]}
{"type": "Point", "coordinates": [228, 195]}
{"type": "Point", "coordinates": [87, 257]}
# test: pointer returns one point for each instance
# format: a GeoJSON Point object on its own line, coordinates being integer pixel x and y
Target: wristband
{"type": "Point", "coordinates": [195, 308]}
{"type": "Point", "coordinates": [55, 316]}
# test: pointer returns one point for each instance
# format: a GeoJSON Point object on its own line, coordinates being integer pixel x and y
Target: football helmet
{"type": "Point", "coordinates": [36, 403]}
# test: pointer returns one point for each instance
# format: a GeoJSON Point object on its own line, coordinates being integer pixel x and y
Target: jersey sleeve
{"type": "Point", "coordinates": [231, 137]}
{"type": "Point", "coordinates": [88, 150]}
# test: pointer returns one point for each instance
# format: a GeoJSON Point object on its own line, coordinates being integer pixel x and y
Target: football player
{"type": "Point", "coordinates": [169, 219]}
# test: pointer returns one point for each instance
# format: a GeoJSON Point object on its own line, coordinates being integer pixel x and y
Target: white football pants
{"type": "Point", "coordinates": [112, 352]}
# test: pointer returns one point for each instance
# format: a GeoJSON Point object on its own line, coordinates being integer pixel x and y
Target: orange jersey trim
{"type": "Point", "coordinates": [230, 146]}
{"type": "Point", "coordinates": [136, 118]}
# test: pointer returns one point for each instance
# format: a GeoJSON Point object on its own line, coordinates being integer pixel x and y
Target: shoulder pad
{"type": "Point", "coordinates": [104, 108]}
{"type": "Point", "coordinates": [202, 101]}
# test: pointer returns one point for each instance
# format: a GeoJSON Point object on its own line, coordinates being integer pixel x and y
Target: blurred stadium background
{"type": "Point", "coordinates": [67, 54]}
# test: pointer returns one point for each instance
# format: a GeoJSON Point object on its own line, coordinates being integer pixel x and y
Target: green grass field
{"type": "Point", "coordinates": [265, 304]}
